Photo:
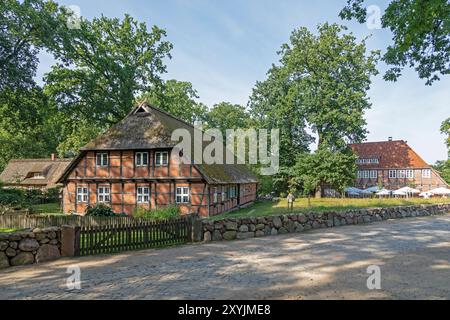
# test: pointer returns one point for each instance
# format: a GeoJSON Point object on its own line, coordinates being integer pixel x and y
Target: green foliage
{"type": "Point", "coordinates": [445, 129]}
{"type": "Point", "coordinates": [420, 31]}
{"type": "Point", "coordinates": [325, 167]}
{"type": "Point", "coordinates": [102, 65]}
{"type": "Point", "coordinates": [157, 214]}
{"type": "Point", "coordinates": [12, 197]}
{"type": "Point", "coordinates": [100, 210]}
{"type": "Point", "coordinates": [273, 107]}
{"type": "Point", "coordinates": [26, 26]}
{"type": "Point", "coordinates": [321, 84]}
{"type": "Point", "coordinates": [225, 115]}
{"type": "Point", "coordinates": [444, 168]}
{"type": "Point", "coordinates": [178, 98]}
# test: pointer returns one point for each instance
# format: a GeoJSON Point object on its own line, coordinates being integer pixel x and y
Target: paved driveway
{"type": "Point", "coordinates": [413, 254]}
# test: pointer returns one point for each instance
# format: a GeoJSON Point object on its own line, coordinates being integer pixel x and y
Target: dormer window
{"type": "Point", "coordinates": [161, 158]}
{"type": "Point", "coordinates": [36, 175]}
{"type": "Point", "coordinates": [102, 159]}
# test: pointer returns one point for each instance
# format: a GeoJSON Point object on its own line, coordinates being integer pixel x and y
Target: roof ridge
{"type": "Point", "coordinates": [381, 141]}
{"type": "Point", "coordinates": [40, 160]}
{"type": "Point", "coordinates": [164, 112]}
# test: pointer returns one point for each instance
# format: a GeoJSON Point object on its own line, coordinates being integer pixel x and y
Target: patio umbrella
{"type": "Point", "coordinates": [352, 190]}
{"type": "Point", "coordinates": [399, 193]}
{"type": "Point", "coordinates": [425, 194]}
{"type": "Point", "coordinates": [409, 190]}
{"type": "Point", "coordinates": [383, 192]}
{"type": "Point", "coordinates": [371, 190]}
{"type": "Point", "coordinates": [440, 191]}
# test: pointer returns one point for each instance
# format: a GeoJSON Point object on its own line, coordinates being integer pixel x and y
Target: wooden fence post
{"type": "Point", "coordinates": [70, 241]}
{"type": "Point", "coordinates": [194, 228]}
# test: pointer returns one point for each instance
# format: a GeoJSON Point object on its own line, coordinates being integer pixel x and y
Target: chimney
{"type": "Point", "coordinates": [390, 139]}
{"type": "Point", "coordinates": [53, 157]}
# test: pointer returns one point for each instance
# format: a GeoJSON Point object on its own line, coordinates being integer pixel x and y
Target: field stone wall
{"type": "Point", "coordinates": [243, 228]}
{"type": "Point", "coordinates": [27, 247]}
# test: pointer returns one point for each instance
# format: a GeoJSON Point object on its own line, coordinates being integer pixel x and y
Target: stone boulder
{"type": "Point", "coordinates": [230, 235]}
{"type": "Point", "coordinates": [277, 222]}
{"type": "Point", "coordinates": [22, 259]}
{"type": "Point", "coordinates": [47, 252]}
{"type": "Point", "coordinates": [243, 228]}
{"type": "Point", "coordinates": [4, 261]}
{"type": "Point", "coordinates": [231, 225]}
{"type": "Point", "coordinates": [216, 236]}
{"type": "Point", "coordinates": [3, 245]}
{"type": "Point", "coordinates": [28, 244]}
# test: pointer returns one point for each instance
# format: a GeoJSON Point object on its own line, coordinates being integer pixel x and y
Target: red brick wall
{"type": "Point", "coordinates": [418, 182]}
{"type": "Point", "coordinates": [123, 177]}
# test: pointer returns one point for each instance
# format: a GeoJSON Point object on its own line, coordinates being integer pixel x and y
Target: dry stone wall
{"type": "Point", "coordinates": [242, 228]}
{"type": "Point", "coordinates": [27, 247]}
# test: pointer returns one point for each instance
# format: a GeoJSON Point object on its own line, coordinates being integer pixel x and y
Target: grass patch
{"type": "Point", "coordinates": [8, 230]}
{"type": "Point", "coordinates": [47, 209]}
{"type": "Point", "coordinates": [268, 208]}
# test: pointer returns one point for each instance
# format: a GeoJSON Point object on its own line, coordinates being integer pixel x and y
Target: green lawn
{"type": "Point", "coordinates": [267, 208]}
{"type": "Point", "coordinates": [9, 230]}
{"type": "Point", "coordinates": [47, 209]}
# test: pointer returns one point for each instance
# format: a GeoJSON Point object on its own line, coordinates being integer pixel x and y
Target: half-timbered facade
{"type": "Point", "coordinates": [393, 164]}
{"type": "Point", "coordinates": [133, 165]}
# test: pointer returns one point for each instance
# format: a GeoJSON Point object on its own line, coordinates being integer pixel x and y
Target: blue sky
{"type": "Point", "coordinates": [224, 47]}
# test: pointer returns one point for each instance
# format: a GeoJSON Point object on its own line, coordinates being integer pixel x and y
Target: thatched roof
{"type": "Point", "coordinates": [19, 172]}
{"type": "Point", "coordinates": [147, 127]}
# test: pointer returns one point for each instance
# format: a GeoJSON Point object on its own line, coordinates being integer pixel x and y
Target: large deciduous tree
{"type": "Point", "coordinates": [421, 35]}
{"type": "Point", "coordinates": [331, 74]}
{"type": "Point", "coordinates": [25, 27]}
{"type": "Point", "coordinates": [225, 115]}
{"type": "Point", "coordinates": [101, 67]}
{"type": "Point", "coordinates": [178, 98]}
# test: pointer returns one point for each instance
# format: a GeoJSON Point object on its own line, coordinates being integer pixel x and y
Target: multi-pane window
{"type": "Point", "coordinates": [102, 159]}
{"type": "Point", "coordinates": [215, 196]}
{"type": "Point", "coordinates": [232, 192]}
{"type": "Point", "coordinates": [82, 194]}
{"type": "Point", "coordinates": [401, 174]}
{"type": "Point", "coordinates": [373, 174]}
{"type": "Point", "coordinates": [224, 196]}
{"type": "Point", "coordinates": [367, 161]}
{"type": "Point", "coordinates": [161, 158]}
{"type": "Point", "coordinates": [103, 194]}
{"type": "Point", "coordinates": [392, 174]}
{"type": "Point", "coordinates": [143, 194]}
{"type": "Point", "coordinates": [409, 174]}
{"type": "Point", "coordinates": [426, 173]}
{"type": "Point", "coordinates": [141, 159]}
{"type": "Point", "coordinates": [366, 174]}
{"type": "Point", "coordinates": [182, 195]}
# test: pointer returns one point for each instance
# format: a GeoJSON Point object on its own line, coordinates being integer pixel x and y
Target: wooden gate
{"type": "Point", "coordinates": [132, 236]}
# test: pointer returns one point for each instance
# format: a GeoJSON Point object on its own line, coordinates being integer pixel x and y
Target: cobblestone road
{"type": "Point", "coordinates": [414, 256]}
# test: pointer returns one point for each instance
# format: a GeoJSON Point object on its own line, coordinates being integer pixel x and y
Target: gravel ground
{"type": "Point", "coordinates": [413, 256]}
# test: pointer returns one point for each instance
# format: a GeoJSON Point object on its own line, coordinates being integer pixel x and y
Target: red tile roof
{"type": "Point", "coordinates": [391, 154]}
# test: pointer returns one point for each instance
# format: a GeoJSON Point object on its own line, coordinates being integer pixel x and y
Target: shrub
{"type": "Point", "coordinates": [157, 214]}
{"type": "Point", "coordinates": [12, 197]}
{"type": "Point", "coordinates": [100, 210]}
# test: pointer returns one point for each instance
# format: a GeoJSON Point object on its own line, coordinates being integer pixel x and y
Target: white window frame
{"type": "Point", "coordinates": [401, 174]}
{"type": "Point", "coordinates": [410, 174]}
{"type": "Point", "coordinates": [392, 174]}
{"type": "Point", "coordinates": [104, 159]}
{"type": "Point", "coordinates": [82, 194]}
{"type": "Point", "coordinates": [366, 174]}
{"type": "Point", "coordinates": [160, 156]}
{"type": "Point", "coordinates": [139, 159]}
{"type": "Point", "coordinates": [182, 195]}
{"type": "Point", "coordinates": [103, 194]}
{"type": "Point", "coordinates": [373, 174]}
{"type": "Point", "coordinates": [426, 173]}
{"type": "Point", "coordinates": [143, 195]}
